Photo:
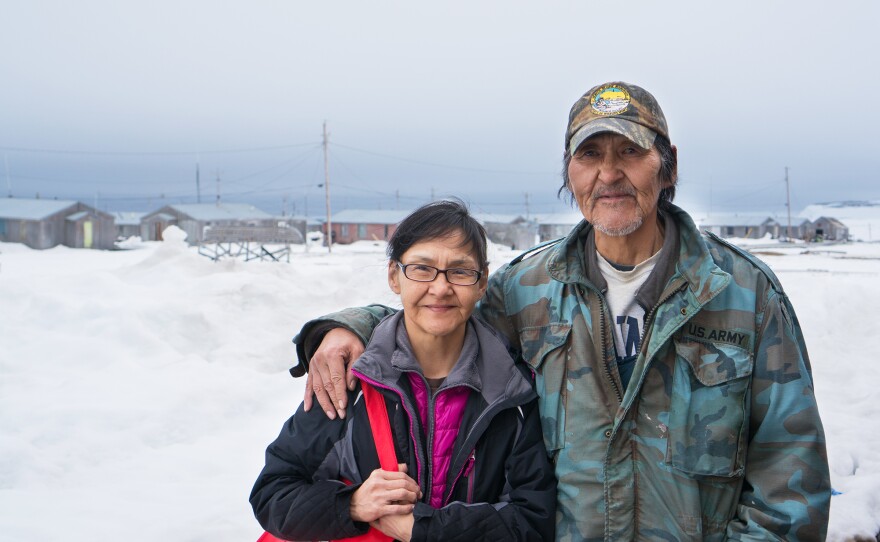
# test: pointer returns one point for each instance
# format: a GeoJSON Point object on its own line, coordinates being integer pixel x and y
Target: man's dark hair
{"type": "Point", "coordinates": [668, 172]}
{"type": "Point", "coordinates": [437, 220]}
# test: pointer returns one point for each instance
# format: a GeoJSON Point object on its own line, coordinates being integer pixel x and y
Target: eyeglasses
{"type": "Point", "coordinates": [425, 273]}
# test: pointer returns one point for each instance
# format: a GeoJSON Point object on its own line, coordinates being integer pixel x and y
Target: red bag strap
{"type": "Point", "coordinates": [381, 427]}
{"type": "Point", "coordinates": [378, 414]}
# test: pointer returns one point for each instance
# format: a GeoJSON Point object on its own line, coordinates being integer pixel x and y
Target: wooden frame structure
{"type": "Point", "coordinates": [249, 243]}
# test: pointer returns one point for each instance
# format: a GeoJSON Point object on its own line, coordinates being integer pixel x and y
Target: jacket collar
{"type": "Point", "coordinates": [484, 365]}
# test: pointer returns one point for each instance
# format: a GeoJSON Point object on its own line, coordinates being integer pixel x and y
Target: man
{"type": "Point", "coordinates": [675, 389]}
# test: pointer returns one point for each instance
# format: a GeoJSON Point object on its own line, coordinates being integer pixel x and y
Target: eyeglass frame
{"type": "Point", "coordinates": [438, 271]}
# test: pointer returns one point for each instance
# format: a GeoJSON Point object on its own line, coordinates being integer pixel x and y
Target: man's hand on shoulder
{"type": "Point", "coordinates": [330, 372]}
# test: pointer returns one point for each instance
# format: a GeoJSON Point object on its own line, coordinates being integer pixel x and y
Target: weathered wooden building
{"type": "Point", "coordinates": [353, 225]}
{"type": "Point", "coordinates": [45, 223]}
{"type": "Point", "coordinates": [128, 224]}
{"type": "Point", "coordinates": [197, 218]}
{"type": "Point", "coordinates": [555, 225]}
{"type": "Point", "coordinates": [513, 231]}
{"type": "Point", "coordinates": [744, 226]}
{"type": "Point", "coordinates": [826, 228]}
{"type": "Point", "coordinates": [800, 228]}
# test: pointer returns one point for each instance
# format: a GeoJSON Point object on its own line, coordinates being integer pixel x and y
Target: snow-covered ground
{"type": "Point", "coordinates": [139, 388]}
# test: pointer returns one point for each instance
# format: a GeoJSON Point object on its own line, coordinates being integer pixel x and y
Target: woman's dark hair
{"type": "Point", "coordinates": [436, 220]}
{"type": "Point", "coordinates": [668, 171]}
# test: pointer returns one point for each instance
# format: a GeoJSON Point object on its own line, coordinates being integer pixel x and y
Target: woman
{"type": "Point", "coordinates": [464, 419]}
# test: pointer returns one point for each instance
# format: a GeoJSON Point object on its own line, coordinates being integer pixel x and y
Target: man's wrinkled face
{"type": "Point", "coordinates": [615, 183]}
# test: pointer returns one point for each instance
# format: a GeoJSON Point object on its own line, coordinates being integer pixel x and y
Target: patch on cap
{"type": "Point", "coordinates": [610, 100]}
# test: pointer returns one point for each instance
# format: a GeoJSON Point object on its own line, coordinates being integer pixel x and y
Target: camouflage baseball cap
{"type": "Point", "coordinates": [617, 107]}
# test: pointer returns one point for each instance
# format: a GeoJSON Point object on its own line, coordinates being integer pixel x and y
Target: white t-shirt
{"type": "Point", "coordinates": [627, 316]}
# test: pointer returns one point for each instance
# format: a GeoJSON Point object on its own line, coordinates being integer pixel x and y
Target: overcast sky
{"type": "Point", "coordinates": [110, 100]}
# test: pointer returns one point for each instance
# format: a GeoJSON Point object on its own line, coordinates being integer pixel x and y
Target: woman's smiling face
{"type": "Point", "coordinates": [437, 308]}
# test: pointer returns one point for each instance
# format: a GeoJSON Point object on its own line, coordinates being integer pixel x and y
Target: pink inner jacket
{"type": "Point", "coordinates": [449, 407]}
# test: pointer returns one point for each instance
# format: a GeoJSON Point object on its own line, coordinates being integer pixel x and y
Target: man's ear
{"type": "Point", "coordinates": [394, 277]}
{"type": "Point", "coordinates": [675, 171]}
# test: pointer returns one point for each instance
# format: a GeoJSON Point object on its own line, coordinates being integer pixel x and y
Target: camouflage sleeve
{"type": "Point", "coordinates": [787, 489]}
{"type": "Point", "coordinates": [359, 320]}
{"type": "Point", "coordinates": [493, 309]}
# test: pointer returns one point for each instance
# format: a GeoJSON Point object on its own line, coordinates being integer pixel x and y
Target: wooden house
{"type": "Point", "coordinates": [513, 231]}
{"type": "Point", "coordinates": [740, 225]}
{"type": "Point", "coordinates": [826, 228]}
{"type": "Point", "coordinates": [197, 218]}
{"type": "Point", "coordinates": [353, 225]}
{"type": "Point", "coordinates": [45, 223]}
{"type": "Point", "coordinates": [128, 224]}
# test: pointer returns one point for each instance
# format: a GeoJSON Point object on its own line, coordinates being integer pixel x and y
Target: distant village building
{"type": "Point", "coordinates": [353, 225]}
{"type": "Point", "coordinates": [744, 226]}
{"type": "Point", "coordinates": [556, 225]}
{"type": "Point", "coordinates": [197, 218]}
{"type": "Point", "coordinates": [44, 223]}
{"type": "Point", "coordinates": [513, 231]}
{"type": "Point", "coordinates": [756, 226]}
{"type": "Point", "coordinates": [800, 229]}
{"type": "Point", "coordinates": [828, 229]}
{"type": "Point", "coordinates": [128, 224]}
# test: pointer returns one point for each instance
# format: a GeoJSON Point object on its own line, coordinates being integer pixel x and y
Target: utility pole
{"type": "Point", "coordinates": [327, 194]}
{"type": "Point", "coordinates": [8, 183]}
{"type": "Point", "coordinates": [218, 188]}
{"type": "Point", "coordinates": [396, 200]}
{"type": "Point", "coordinates": [788, 202]}
{"type": "Point", "coordinates": [198, 182]}
{"type": "Point", "coordinates": [527, 205]}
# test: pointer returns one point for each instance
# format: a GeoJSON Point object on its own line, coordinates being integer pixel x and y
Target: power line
{"type": "Point", "coordinates": [448, 166]}
{"type": "Point", "coordinates": [152, 153]}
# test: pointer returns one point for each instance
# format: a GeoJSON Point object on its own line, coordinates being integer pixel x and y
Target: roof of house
{"type": "Point", "coordinates": [733, 219]}
{"type": "Point", "coordinates": [76, 216]}
{"type": "Point", "coordinates": [220, 211]}
{"type": "Point", "coordinates": [832, 221]}
{"type": "Point", "coordinates": [491, 218]}
{"type": "Point", "coordinates": [559, 219]}
{"type": "Point", "coordinates": [128, 218]}
{"type": "Point", "coordinates": [369, 216]}
{"type": "Point", "coordinates": [32, 209]}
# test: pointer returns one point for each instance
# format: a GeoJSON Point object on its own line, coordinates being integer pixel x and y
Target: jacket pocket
{"type": "Point", "coordinates": [709, 409]}
{"type": "Point", "coordinates": [544, 350]}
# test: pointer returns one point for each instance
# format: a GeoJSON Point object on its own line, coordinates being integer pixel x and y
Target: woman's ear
{"type": "Point", "coordinates": [394, 277]}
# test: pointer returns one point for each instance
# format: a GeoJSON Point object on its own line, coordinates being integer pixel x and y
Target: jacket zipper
{"type": "Point", "coordinates": [412, 425]}
{"type": "Point", "coordinates": [469, 473]}
{"type": "Point", "coordinates": [429, 434]}
{"type": "Point", "coordinates": [465, 471]}
{"type": "Point", "coordinates": [603, 332]}
{"type": "Point", "coordinates": [488, 413]}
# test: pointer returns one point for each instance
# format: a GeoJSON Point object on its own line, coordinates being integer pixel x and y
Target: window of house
{"type": "Point", "coordinates": [362, 231]}
{"type": "Point", "coordinates": [729, 230]}
{"type": "Point", "coordinates": [2, 227]}
{"type": "Point", "coordinates": [343, 229]}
